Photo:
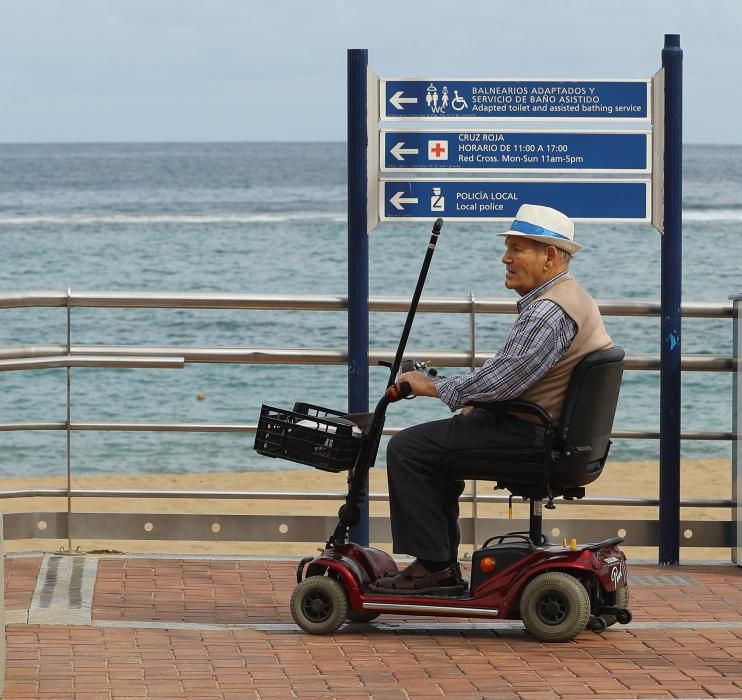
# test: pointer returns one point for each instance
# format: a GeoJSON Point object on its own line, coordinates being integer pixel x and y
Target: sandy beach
{"type": "Point", "coordinates": [708, 479]}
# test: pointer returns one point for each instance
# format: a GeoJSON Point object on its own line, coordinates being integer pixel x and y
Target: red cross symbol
{"type": "Point", "coordinates": [436, 149]}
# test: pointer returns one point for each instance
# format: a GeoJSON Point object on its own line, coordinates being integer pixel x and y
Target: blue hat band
{"type": "Point", "coordinates": [534, 230]}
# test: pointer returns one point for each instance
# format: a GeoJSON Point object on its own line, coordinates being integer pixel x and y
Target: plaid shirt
{"type": "Point", "coordinates": [540, 337]}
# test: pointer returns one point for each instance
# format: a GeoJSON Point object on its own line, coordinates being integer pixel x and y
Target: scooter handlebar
{"type": "Point", "coordinates": [398, 391]}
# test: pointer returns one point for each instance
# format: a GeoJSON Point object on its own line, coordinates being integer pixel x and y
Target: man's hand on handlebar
{"type": "Point", "coordinates": [421, 384]}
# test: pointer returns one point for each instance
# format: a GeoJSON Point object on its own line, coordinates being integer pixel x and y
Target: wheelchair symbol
{"type": "Point", "coordinates": [458, 103]}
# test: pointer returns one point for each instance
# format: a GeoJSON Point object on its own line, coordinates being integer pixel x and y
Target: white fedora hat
{"type": "Point", "coordinates": [545, 225]}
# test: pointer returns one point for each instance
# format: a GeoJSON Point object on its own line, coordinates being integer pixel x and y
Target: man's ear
{"type": "Point", "coordinates": [552, 256]}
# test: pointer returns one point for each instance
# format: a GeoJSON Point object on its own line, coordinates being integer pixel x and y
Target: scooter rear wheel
{"type": "Point", "coordinates": [555, 607]}
{"type": "Point", "coordinates": [319, 605]}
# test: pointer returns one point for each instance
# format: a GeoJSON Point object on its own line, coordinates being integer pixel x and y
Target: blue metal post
{"type": "Point", "coordinates": [672, 261]}
{"type": "Point", "coordinates": [358, 250]}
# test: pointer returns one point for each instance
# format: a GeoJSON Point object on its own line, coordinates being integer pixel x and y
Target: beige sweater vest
{"type": "Point", "coordinates": [550, 390]}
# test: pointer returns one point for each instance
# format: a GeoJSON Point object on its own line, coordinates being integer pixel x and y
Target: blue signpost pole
{"type": "Point", "coordinates": [358, 250]}
{"type": "Point", "coordinates": [671, 266]}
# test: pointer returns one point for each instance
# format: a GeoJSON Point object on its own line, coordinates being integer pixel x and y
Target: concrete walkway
{"type": "Point", "coordinates": [94, 627]}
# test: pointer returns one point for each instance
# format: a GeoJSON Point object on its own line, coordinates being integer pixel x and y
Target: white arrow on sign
{"type": "Point", "coordinates": [399, 152]}
{"type": "Point", "coordinates": [398, 200]}
{"type": "Point", "coordinates": [398, 101]}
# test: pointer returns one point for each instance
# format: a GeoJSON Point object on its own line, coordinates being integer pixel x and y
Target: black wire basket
{"type": "Point", "coordinates": [312, 435]}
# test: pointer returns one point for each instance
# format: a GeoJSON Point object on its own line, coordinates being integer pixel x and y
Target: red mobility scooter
{"type": "Point", "coordinates": [556, 590]}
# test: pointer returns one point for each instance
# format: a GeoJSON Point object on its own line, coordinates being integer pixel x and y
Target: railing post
{"type": "Point", "coordinates": [736, 432]}
{"type": "Point", "coordinates": [358, 251]}
{"type": "Point", "coordinates": [69, 423]}
{"type": "Point", "coordinates": [671, 273]}
{"type": "Point", "coordinates": [473, 366]}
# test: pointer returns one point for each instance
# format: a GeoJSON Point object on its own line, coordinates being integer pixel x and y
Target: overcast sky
{"type": "Point", "coordinates": [274, 70]}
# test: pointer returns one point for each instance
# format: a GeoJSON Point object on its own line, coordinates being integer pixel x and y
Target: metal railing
{"type": "Point", "coordinates": [75, 355]}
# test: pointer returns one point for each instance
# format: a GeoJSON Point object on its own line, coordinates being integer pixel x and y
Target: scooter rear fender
{"type": "Point", "coordinates": [582, 563]}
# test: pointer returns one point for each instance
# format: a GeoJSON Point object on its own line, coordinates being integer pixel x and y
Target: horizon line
{"type": "Point", "coordinates": [267, 142]}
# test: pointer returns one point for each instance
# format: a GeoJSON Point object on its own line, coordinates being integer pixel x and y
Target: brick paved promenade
{"type": "Point", "coordinates": [89, 627]}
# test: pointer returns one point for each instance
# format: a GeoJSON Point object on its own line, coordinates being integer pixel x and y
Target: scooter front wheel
{"type": "Point", "coordinates": [555, 607]}
{"type": "Point", "coordinates": [319, 605]}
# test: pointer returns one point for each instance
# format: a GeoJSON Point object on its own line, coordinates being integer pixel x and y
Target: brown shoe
{"type": "Point", "coordinates": [417, 580]}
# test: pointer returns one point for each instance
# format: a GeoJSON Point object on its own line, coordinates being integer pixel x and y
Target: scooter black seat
{"type": "Point", "coordinates": [573, 453]}
{"type": "Point", "coordinates": [497, 465]}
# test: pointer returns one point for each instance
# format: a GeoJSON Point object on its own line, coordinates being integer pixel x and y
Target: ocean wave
{"type": "Point", "coordinates": [705, 214]}
{"type": "Point", "coordinates": [140, 219]}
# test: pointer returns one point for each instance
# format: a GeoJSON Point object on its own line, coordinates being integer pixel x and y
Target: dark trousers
{"type": "Point", "coordinates": [423, 498]}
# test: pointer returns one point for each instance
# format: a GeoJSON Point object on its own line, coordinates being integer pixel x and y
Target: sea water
{"type": "Point", "coordinates": [271, 218]}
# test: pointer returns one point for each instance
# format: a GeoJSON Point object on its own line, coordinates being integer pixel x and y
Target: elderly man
{"type": "Point", "coordinates": [558, 324]}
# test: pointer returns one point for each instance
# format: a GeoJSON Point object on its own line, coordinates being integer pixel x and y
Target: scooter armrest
{"type": "Point", "coordinates": [516, 406]}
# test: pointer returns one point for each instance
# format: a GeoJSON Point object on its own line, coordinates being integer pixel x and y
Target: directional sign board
{"type": "Point", "coordinates": [435, 98]}
{"type": "Point", "coordinates": [533, 151]}
{"type": "Point", "coordinates": [481, 200]}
